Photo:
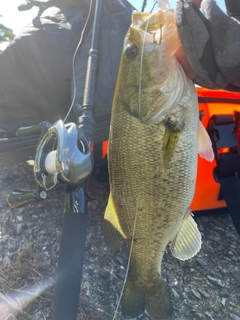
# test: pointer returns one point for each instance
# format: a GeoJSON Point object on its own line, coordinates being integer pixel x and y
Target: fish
{"type": "Point", "coordinates": [154, 141]}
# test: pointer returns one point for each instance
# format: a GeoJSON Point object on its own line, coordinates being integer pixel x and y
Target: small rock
{"type": "Point", "coordinates": [215, 281]}
{"type": "Point", "coordinates": [3, 175]}
{"type": "Point", "coordinates": [20, 227]}
{"type": "Point", "coordinates": [121, 273]}
{"type": "Point", "coordinates": [223, 302]}
{"type": "Point", "coordinates": [1, 247]}
{"type": "Point", "coordinates": [232, 304]}
{"type": "Point", "coordinates": [238, 297]}
{"type": "Point", "coordinates": [103, 285]}
{"type": "Point", "coordinates": [21, 211]}
{"type": "Point", "coordinates": [185, 296]}
{"type": "Point", "coordinates": [234, 316]}
{"type": "Point", "coordinates": [219, 229]}
{"type": "Point", "coordinates": [6, 260]}
{"type": "Point", "coordinates": [200, 261]}
{"type": "Point", "coordinates": [104, 273]}
{"type": "Point", "coordinates": [176, 295]}
{"type": "Point", "coordinates": [209, 315]}
{"type": "Point", "coordinates": [30, 224]}
{"type": "Point", "coordinates": [39, 316]}
{"type": "Point", "coordinates": [204, 293]}
{"type": "Point", "coordinates": [90, 272]}
{"type": "Point", "coordinates": [49, 262]}
{"type": "Point", "coordinates": [218, 275]}
{"type": "Point", "coordinates": [232, 270]}
{"type": "Point", "coordinates": [119, 260]}
{"type": "Point", "coordinates": [197, 316]}
{"type": "Point", "coordinates": [142, 317]}
{"type": "Point", "coordinates": [12, 247]}
{"type": "Point", "coordinates": [196, 293]}
{"type": "Point", "coordinates": [20, 218]}
{"type": "Point", "coordinates": [224, 294]}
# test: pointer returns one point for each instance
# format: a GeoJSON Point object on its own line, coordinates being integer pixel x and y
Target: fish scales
{"type": "Point", "coordinates": [144, 188]}
{"type": "Point", "coordinates": [152, 156]}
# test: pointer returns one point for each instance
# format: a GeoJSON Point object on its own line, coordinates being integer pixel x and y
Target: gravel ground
{"type": "Point", "coordinates": [205, 287]}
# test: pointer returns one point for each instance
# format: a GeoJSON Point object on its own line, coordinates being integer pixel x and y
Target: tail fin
{"type": "Point", "coordinates": [154, 299]}
{"type": "Point", "coordinates": [157, 302]}
{"type": "Point", "coordinates": [133, 300]}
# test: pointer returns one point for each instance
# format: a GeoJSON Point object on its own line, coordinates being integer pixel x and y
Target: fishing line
{"type": "Point", "coordinates": [73, 62]}
{"type": "Point", "coordinates": [160, 37]}
{"type": "Point", "coordinates": [128, 265]}
{"type": "Point", "coordinates": [140, 71]}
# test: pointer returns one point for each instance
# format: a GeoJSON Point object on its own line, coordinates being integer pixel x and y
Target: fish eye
{"type": "Point", "coordinates": [131, 51]}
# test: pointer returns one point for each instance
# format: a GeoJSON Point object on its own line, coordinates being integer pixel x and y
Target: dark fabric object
{"type": "Point", "coordinates": [36, 69]}
{"type": "Point", "coordinates": [233, 8]}
{"type": "Point", "coordinates": [225, 35]}
{"type": "Point", "coordinates": [230, 191]}
{"type": "Point", "coordinates": [113, 30]}
{"type": "Point", "coordinates": [195, 38]}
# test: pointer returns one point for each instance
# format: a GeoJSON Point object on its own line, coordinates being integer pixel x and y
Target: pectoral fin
{"type": "Point", "coordinates": [204, 143]}
{"type": "Point", "coordinates": [112, 230]}
{"type": "Point", "coordinates": [170, 140]}
{"type": "Point", "coordinates": [174, 125]}
{"type": "Point", "coordinates": [187, 242]}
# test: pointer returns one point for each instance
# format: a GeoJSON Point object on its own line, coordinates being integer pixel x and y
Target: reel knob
{"type": "Point", "coordinates": [19, 198]}
{"type": "Point", "coordinates": [26, 5]}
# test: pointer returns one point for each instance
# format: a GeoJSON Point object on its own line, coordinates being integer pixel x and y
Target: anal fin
{"type": "Point", "coordinates": [187, 241]}
{"type": "Point", "coordinates": [113, 234]}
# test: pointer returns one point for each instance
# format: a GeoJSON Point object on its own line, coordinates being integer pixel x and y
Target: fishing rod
{"type": "Point", "coordinates": [153, 5]}
{"type": "Point", "coordinates": [144, 5]}
{"type": "Point", "coordinates": [64, 156]}
{"type": "Point", "coordinates": [72, 248]}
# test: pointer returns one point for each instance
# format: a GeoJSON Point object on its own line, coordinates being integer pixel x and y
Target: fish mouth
{"type": "Point", "coordinates": [148, 40]}
{"type": "Point", "coordinates": [149, 21]}
{"type": "Point", "coordinates": [144, 39]}
{"type": "Point", "coordinates": [146, 29]}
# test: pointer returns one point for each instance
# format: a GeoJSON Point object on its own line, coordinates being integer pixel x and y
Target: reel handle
{"type": "Point", "coordinates": [26, 5]}
{"type": "Point", "coordinates": [36, 130]}
{"type": "Point", "coordinates": [19, 198]}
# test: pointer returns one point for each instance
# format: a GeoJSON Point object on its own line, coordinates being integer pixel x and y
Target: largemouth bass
{"type": "Point", "coordinates": [155, 136]}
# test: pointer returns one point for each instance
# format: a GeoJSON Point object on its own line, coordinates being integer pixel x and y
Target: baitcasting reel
{"type": "Point", "coordinates": [70, 159]}
{"type": "Point", "coordinates": [63, 155]}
